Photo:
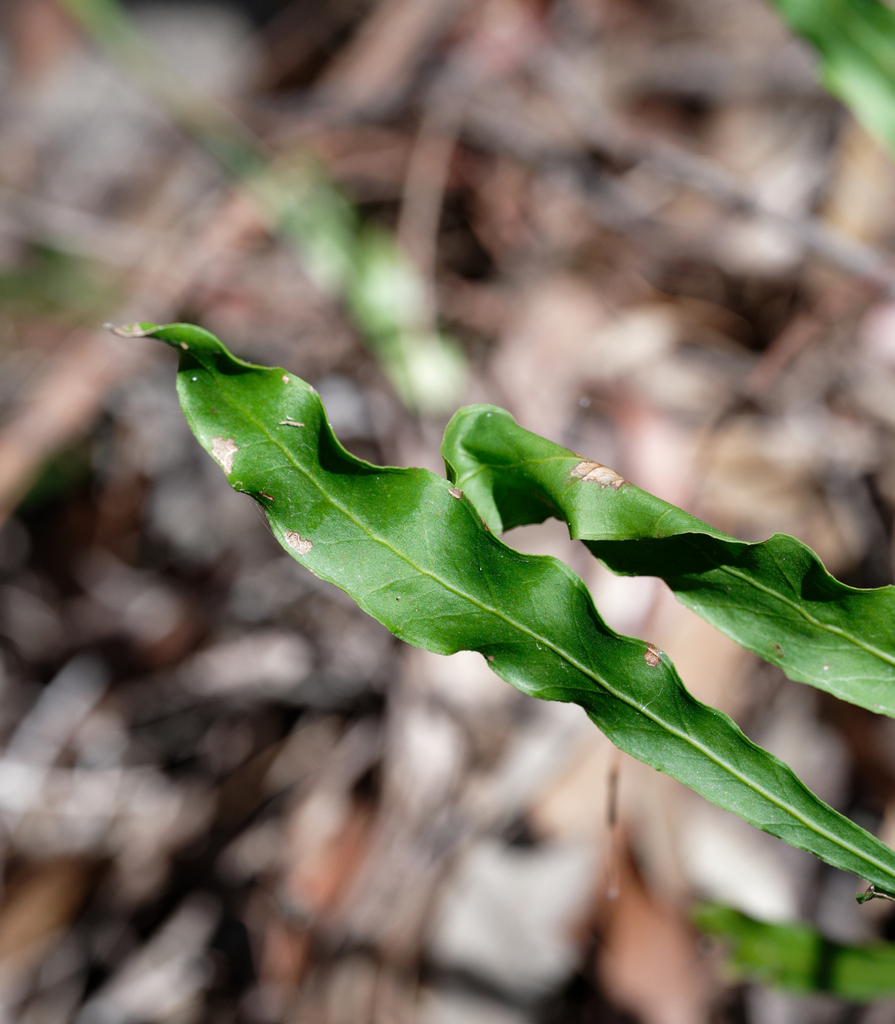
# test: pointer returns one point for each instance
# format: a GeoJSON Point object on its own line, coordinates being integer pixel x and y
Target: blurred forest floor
{"type": "Point", "coordinates": [225, 793]}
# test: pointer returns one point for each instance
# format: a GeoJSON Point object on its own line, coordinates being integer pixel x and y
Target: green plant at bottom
{"type": "Point", "coordinates": [796, 957]}
{"type": "Point", "coordinates": [419, 553]}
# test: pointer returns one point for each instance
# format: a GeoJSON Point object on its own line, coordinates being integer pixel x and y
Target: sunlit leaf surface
{"type": "Point", "coordinates": [413, 551]}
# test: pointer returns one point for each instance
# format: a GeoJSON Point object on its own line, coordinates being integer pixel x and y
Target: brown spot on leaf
{"type": "Point", "coordinates": [285, 378]}
{"type": "Point", "coordinates": [223, 449]}
{"type": "Point", "coordinates": [295, 541]}
{"type": "Point", "coordinates": [652, 656]}
{"type": "Point", "coordinates": [455, 492]}
{"type": "Point", "coordinates": [290, 423]}
{"type": "Point", "coordinates": [184, 345]}
{"type": "Point", "coordinates": [602, 476]}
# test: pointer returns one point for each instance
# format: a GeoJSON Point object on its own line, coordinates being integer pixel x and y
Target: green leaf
{"type": "Point", "coordinates": [774, 598]}
{"type": "Point", "coordinates": [412, 551]}
{"type": "Point", "coordinates": [799, 958]}
{"type": "Point", "coordinates": [856, 43]}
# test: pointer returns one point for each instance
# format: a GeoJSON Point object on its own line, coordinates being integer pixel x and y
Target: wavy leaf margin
{"type": "Point", "coordinates": [412, 550]}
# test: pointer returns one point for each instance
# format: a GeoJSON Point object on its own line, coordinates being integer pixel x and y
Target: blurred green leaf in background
{"type": "Point", "coordinates": [798, 958]}
{"type": "Point", "coordinates": [855, 40]}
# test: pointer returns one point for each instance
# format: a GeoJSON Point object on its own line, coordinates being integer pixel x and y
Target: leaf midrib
{"type": "Point", "coordinates": [563, 655]}
{"type": "Point", "coordinates": [838, 631]}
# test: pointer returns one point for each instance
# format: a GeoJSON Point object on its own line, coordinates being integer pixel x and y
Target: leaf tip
{"type": "Point", "coordinates": [872, 893]}
{"type": "Point", "coordinates": [138, 329]}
